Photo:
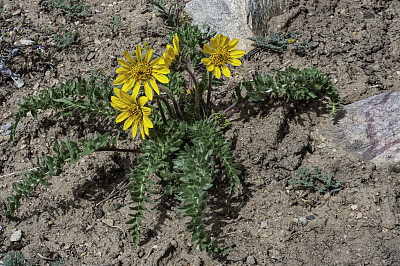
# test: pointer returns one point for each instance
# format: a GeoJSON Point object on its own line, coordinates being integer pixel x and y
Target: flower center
{"type": "Point", "coordinates": [135, 111]}
{"type": "Point", "coordinates": [219, 56]}
{"type": "Point", "coordinates": [141, 71]}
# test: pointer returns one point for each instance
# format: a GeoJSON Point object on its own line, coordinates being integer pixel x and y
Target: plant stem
{"type": "Point", "coordinates": [171, 113]}
{"type": "Point", "coordinates": [229, 108]}
{"type": "Point", "coordinates": [177, 109]}
{"type": "Point", "coordinates": [162, 110]}
{"type": "Point", "coordinates": [209, 93]}
{"type": "Point", "coordinates": [197, 93]}
{"type": "Point", "coordinates": [238, 108]}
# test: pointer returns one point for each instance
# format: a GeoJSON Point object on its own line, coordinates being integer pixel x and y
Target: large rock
{"type": "Point", "coordinates": [235, 18]}
{"type": "Point", "coordinates": [370, 129]}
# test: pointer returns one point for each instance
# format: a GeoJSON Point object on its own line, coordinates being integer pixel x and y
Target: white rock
{"type": "Point", "coordinates": [353, 207]}
{"type": "Point", "coordinates": [26, 42]}
{"type": "Point", "coordinates": [108, 222]}
{"type": "Point", "coordinates": [16, 236]}
{"type": "Point", "coordinates": [228, 17]}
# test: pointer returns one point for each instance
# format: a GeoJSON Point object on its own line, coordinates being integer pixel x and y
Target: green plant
{"type": "Point", "coordinates": [70, 8]}
{"type": "Point", "coordinates": [293, 83]}
{"type": "Point", "coordinates": [316, 180]}
{"type": "Point", "coordinates": [194, 38]}
{"type": "Point", "coordinates": [277, 43]}
{"type": "Point", "coordinates": [187, 158]}
{"type": "Point", "coordinates": [64, 39]}
{"type": "Point", "coordinates": [16, 259]}
{"type": "Point", "coordinates": [171, 17]}
{"type": "Point", "coordinates": [86, 97]}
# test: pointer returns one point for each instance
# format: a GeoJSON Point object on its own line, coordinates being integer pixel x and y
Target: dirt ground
{"type": "Point", "coordinates": [356, 43]}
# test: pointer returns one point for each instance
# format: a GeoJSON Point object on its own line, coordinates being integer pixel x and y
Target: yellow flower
{"type": "Point", "coordinates": [222, 52]}
{"type": "Point", "coordinates": [189, 91]}
{"type": "Point", "coordinates": [293, 40]}
{"type": "Point", "coordinates": [132, 73]}
{"type": "Point", "coordinates": [172, 52]}
{"type": "Point", "coordinates": [132, 111]}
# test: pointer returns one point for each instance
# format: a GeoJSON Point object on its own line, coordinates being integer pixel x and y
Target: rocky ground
{"type": "Point", "coordinates": [356, 43]}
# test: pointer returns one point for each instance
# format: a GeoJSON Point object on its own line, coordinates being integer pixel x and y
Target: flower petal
{"type": "Point", "coordinates": [161, 69]}
{"type": "Point", "coordinates": [153, 84]}
{"type": "Point", "coordinates": [134, 128]}
{"type": "Point", "coordinates": [135, 91]}
{"type": "Point", "coordinates": [138, 53]}
{"type": "Point", "coordinates": [224, 41]}
{"type": "Point", "coordinates": [119, 80]}
{"type": "Point", "coordinates": [121, 117]}
{"type": "Point", "coordinates": [232, 44]}
{"type": "Point", "coordinates": [143, 100]}
{"type": "Point", "coordinates": [127, 99]}
{"type": "Point", "coordinates": [128, 85]}
{"type": "Point", "coordinates": [117, 92]}
{"type": "Point", "coordinates": [226, 71]}
{"type": "Point", "coordinates": [122, 71]}
{"type": "Point", "coordinates": [207, 49]}
{"type": "Point", "coordinates": [217, 72]}
{"type": "Point", "coordinates": [214, 43]}
{"type": "Point", "coordinates": [206, 61]}
{"type": "Point", "coordinates": [176, 43]}
{"type": "Point", "coordinates": [129, 57]}
{"type": "Point", "coordinates": [122, 108]}
{"type": "Point", "coordinates": [146, 129]}
{"type": "Point", "coordinates": [219, 39]}
{"type": "Point", "coordinates": [148, 91]}
{"type": "Point", "coordinates": [170, 51]}
{"type": "Point", "coordinates": [148, 55]}
{"type": "Point", "coordinates": [146, 110]}
{"type": "Point", "coordinates": [118, 102]}
{"type": "Point", "coordinates": [155, 61]}
{"type": "Point", "coordinates": [236, 53]}
{"type": "Point", "coordinates": [234, 62]}
{"type": "Point", "coordinates": [161, 78]}
{"type": "Point", "coordinates": [210, 67]}
{"type": "Point", "coordinates": [141, 129]}
{"type": "Point", "coordinates": [147, 122]}
{"type": "Point", "coordinates": [128, 122]}
{"type": "Point", "coordinates": [124, 63]}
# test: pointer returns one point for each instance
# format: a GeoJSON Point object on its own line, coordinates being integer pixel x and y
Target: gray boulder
{"type": "Point", "coordinates": [234, 18]}
{"type": "Point", "coordinates": [370, 129]}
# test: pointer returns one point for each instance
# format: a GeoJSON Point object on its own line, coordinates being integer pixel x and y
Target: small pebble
{"type": "Point", "coordinates": [353, 222]}
{"type": "Point", "coordinates": [303, 220]}
{"type": "Point", "coordinates": [98, 213]}
{"type": "Point", "coordinates": [359, 215]}
{"type": "Point", "coordinates": [251, 260]}
{"type": "Point", "coordinates": [230, 243]}
{"type": "Point", "coordinates": [108, 222]}
{"type": "Point", "coordinates": [90, 56]}
{"type": "Point", "coordinates": [264, 224]}
{"type": "Point", "coordinates": [353, 207]}
{"type": "Point", "coordinates": [310, 217]}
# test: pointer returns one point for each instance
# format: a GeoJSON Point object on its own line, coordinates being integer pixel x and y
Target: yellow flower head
{"type": "Point", "coordinates": [132, 73]}
{"type": "Point", "coordinates": [222, 51]}
{"type": "Point", "coordinates": [189, 91]}
{"type": "Point", "coordinates": [132, 111]}
{"type": "Point", "coordinates": [172, 52]}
